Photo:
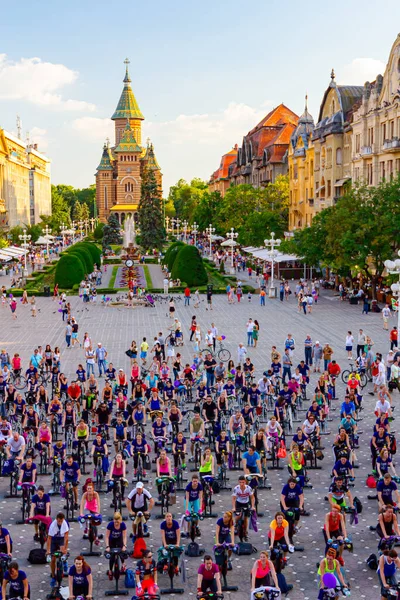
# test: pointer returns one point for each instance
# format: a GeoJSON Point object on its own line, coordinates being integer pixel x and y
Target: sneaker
{"type": "Point", "coordinates": [340, 560]}
{"type": "Point", "coordinates": [230, 565]}
{"type": "Point", "coordinates": [123, 568]}
{"type": "Point", "coordinates": [176, 570]}
{"type": "Point", "coordinates": [85, 531]}
{"type": "Point", "coordinates": [75, 506]}
{"type": "Point", "coordinates": [289, 588]}
{"type": "Point", "coordinates": [97, 542]}
{"type": "Point", "coordinates": [53, 582]}
{"type": "Point", "coordinates": [36, 537]}
{"type": "Point", "coordinates": [144, 473]}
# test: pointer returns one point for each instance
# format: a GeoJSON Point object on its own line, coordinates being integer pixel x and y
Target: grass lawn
{"type": "Point", "coordinates": [113, 276]}
{"type": "Point", "coordinates": [149, 283]}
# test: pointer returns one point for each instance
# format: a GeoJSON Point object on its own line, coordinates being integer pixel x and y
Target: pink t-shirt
{"type": "Point", "coordinates": [208, 574]}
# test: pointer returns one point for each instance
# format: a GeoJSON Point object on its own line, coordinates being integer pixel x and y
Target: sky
{"type": "Point", "coordinates": [203, 73]}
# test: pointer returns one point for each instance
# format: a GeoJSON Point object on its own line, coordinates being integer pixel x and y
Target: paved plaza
{"type": "Point", "coordinates": [115, 327]}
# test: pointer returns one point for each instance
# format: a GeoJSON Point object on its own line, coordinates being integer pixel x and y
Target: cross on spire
{"type": "Point", "coordinates": [127, 79]}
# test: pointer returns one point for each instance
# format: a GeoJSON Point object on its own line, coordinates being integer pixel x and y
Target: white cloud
{"type": "Point", "coordinates": [38, 136]}
{"type": "Point", "coordinates": [360, 70]}
{"type": "Point", "coordinates": [94, 129]}
{"type": "Point", "coordinates": [39, 82]}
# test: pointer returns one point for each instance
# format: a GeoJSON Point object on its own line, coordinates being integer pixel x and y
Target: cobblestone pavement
{"type": "Point", "coordinates": [115, 327]}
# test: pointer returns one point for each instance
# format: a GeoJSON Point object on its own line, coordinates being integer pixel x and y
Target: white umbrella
{"type": "Point", "coordinates": [229, 243]}
{"type": "Point", "coordinates": [43, 241]}
{"type": "Point", "coordinates": [217, 237]}
{"type": "Point", "coordinates": [49, 237]}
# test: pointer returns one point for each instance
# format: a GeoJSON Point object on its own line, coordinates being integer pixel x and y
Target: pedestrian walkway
{"type": "Point", "coordinates": [157, 276]}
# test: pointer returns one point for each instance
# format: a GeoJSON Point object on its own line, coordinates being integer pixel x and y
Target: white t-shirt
{"type": "Point", "coordinates": [138, 499]}
{"type": "Point", "coordinates": [242, 496]}
{"type": "Point", "coordinates": [309, 427]}
{"type": "Point", "coordinates": [15, 445]}
{"type": "Point", "coordinates": [58, 530]}
{"type": "Point", "coordinates": [349, 340]}
{"type": "Point", "coordinates": [250, 327]}
{"type": "Point", "coordinates": [383, 407]}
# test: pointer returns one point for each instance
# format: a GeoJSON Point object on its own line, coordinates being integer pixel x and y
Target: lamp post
{"type": "Point", "coordinates": [195, 229]}
{"type": "Point", "coordinates": [25, 237]}
{"type": "Point", "coordinates": [232, 235]}
{"type": "Point", "coordinates": [86, 225]}
{"type": "Point", "coordinates": [210, 230]}
{"type": "Point", "coordinates": [80, 228]}
{"type": "Point", "coordinates": [393, 267]}
{"type": "Point", "coordinates": [92, 222]}
{"type": "Point", "coordinates": [184, 225]}
{"type": "Point", "coordinates": [73, 225]}
{"type": "Point", "coordinates": [63, 229]}
{"type": "Point", "coordinates": [176, 223]}
{"type": "Point", "coordinates": [47, 231]}
{"type": "Point", "coordinates": [271, 244]}
{"type": "Point", "coordinates": [167, 220]}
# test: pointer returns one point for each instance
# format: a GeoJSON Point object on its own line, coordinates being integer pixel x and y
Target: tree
{"type": "Point", "coordinates": [77, 212]}
{"type": "Point", "coordinates": [60, 210]}
{"type": "Point", "coordinates": [98, 232]}
{"type": "Point", "coordinates": [189, 267]}
{"type": "Point", "coordinates": [206, 211]}
{"type": "Point", "coordinates": [70, 270]}
{"type": "Point", "coordinates": [152, 232]}
{"type": "Point", "coordinates": [85, 213]}
{"type": "Point", "coordinates": [186, 196]}
{"type": "Point", "coordinates": [111, 232]}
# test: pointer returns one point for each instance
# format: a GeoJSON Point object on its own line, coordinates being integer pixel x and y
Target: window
{"type": "Point", "coordinates": [329, 191]}
{"type": "Point", "coordinates": [383, 129]}
{"type": "Point", "coordinates": [369, 173]}
{"type": "Point", "coordinates": [312, 167]}
{"type": "Point", "coordinates": [129, 187]}
{"type": "Point", "coordinates": [390, 169]}
{"type": "Point", "coordinates": [391, 129]}
{"type": "Point", "coordinates": [329, 158]}
{"type": "Point", "coordinates": [397, 165]}
{"type": "Point", "coordinates": [105, 198]}
{"type": "Point", "coordinates": [357, 173]}
{"type": "Point", "coordinates": [295, 171]}
{"type": "Point", "coordinates": [358, 137]}
{"type": "Point", "coordinates": [317, 188]}
{"type": "Point", "coordinates": [370, 136]}
{"type": "Point", "coordinates": [383, 171]}
{"type": "Point", "coordinates": [338, 156]}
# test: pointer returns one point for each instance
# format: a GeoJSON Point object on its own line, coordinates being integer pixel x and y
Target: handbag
{"type": "Point", "coordinates": [129, 353]}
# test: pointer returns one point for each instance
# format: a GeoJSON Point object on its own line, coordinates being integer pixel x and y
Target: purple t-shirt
{"type": "Point", "coordinates": [208, 575]}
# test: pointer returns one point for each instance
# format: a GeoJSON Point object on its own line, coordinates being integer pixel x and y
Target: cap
{"type": "Point", "coordinates": [139, 485]}
{"type": "Point", "coordinates": [317, 342]}
{"type": "Point", "coordinates": [99, 343]}
{"type": "Point", "coordinates": [120, 369]}
{"type": "Point", "coordinates": [390, 351]}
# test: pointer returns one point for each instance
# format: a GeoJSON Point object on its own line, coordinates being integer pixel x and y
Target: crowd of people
{"type": "Point", "coordinates": [165, 415]}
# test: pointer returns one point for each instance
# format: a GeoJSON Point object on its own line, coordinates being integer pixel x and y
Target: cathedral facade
{"type": "Point", "coordinates": [119, 174]}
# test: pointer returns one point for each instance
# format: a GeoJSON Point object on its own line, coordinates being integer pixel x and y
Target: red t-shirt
{"type": "Point", "coordinates": [208, 575]}
{"type": "Point", "coordinates": [333, 369]}
{"type": "Point", "coordinates": [74, 391]}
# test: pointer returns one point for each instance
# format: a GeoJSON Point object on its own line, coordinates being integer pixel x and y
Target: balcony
{"type": "Point", "coordinates": [392, 145]}
{"type": "Point", "coordinates": [366, 151]}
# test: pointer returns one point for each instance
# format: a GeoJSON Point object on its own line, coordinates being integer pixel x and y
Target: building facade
{"type": "Point", "coordinates": [301, 173]}
{"type": "Point", "coordinates": [119, 174]}
{"type": "Point", "coordinates": [25, 186]}
{"type": "Point", "coordinates": [219, 181]}
{"type": "Point", "coordinates": [376, 126]}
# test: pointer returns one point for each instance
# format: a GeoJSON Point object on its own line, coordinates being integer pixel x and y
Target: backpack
{"type": "Point", "coordinates": [192, 550]}
{"type": "Point", "coordinates": [37, 556]}
{"type": "Point", "coordinates": [245, 549]}
{"type": "Point", "coordinates": [393, 445]}
{"type": "Point", "coordinates": [138, 548]}
{"type": "Point", "coordinates": [130, 578]}
{"type": "Point", "coordinates": [357, 505]}
{"type": "Point", "coordinates": [216, 488]}
{"type": "Point", "coordinates": [8, 467]}
{"type": "Point", "coordinates": [372, 562]}
{"type": "Point", "coordinates": [371, 482]}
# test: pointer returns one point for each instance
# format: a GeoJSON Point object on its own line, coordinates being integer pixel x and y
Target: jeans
{"type": "Point", "coordinates": [249, 338]}
{"type": "Point", "coordinates": [102, 366]}
{"type": "Point", "coordinates": [262, 300]}
{"type": "Point", "coordinates": [326, 363]}
{"type": "Point", "coordinates": [187, 300]}
{"type": "Point", "coordinates": [308, 355]}
{"type": "Point", "coordinates": [286, 371]}
{"type": "Point", "coordinates": [68, 340]}
{"type": "Point", "coordinates": [89, 369]}
{"type": "Point", "coordinates": [210, 379]}
{"type": "Point", "coordinates": [281, 294]}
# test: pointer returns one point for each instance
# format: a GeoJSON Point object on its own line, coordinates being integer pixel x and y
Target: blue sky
{"type": "Point", "coordinates": [203, 73]}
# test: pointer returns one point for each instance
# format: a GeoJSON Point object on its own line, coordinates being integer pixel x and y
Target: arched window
{"type": "Point", "coordinates": [105, 198]}
{"type": "Point", "coordinates": [339, 157]}
{"type": "Point", "coordinates": [129, 187]}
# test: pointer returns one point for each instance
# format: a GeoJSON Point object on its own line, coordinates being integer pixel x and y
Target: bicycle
{"type": "Point", "coordinates": [56, 475]}
{"type": "Point", "coordinates": [27, 490]}
{"type": "Point", "coordinates": [193, 532]}
{"type": "Point", "coordinates": [98, 470]}
{"type": "Point", "coordinates": [221, 353]}
{"type": "Point", "coordinates": [241, 528]}
{"type": "Point", "coordinates": [197, 452]}
{"type": "Point", "coordinates": [207, 481]}
{"type": "Point", "coordinates": [61, 559]}
{"type": "Point", "coordinates": [67, 491]}
{"type": "Point", "coordinates": [164, 483]}
{"type": "Point", "coordinates": [18, 381]}
{"type": "Point", "coordinates": [116, 556]}
{"type": "Point", "coordinates": [44, 459]}
{"type": "Point", "coordinates": [222, 559]}
{"type": "Point", "coordinates": [43, 528]}
{"type": "Point", "coordinates": [179, 473]}
{"type": "Point", "coordinates": [92, 521]}
{"type": "Point", "coordinates": [266, 593]}
{"type": "Point", "coordinates": [14, 476]}
{"type": "Point", "coordinates": [363, 379]}
{"type": "Point", "coordinates": [168, 564]}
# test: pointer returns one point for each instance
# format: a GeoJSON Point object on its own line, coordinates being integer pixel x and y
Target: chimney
{"type": "Point", "coordinates": [35, 146]}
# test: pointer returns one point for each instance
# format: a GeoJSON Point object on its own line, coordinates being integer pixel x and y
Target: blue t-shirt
{"type": "Point", "coordinates": [80, 580]}
{"type": "Point", "coordinates": [194, 493]}
{"type": "Point", "coordinates": [71, 471]}
{"type": "Point", "coordinates": [116, 535]}
{"type": "Point", "coordinates": [16, 588]}
{"type": "Point", "coordinates": [276, 367]}
{"type": "Point", "coordinates": [342, 469]}
{"type": "Point", "coordinates": [158, 430]}
{"type": "Point", "coordinates": [386, 490]}
{"type": "Point", "coordinates": [224, 531]}
{"type": "Point", "coordinates": [291, 494]}
{"type": "Point", "coordinates": [251, 459]}
{"type": "Point", "coordinates": [40, 503]}
{"type": "Point", "coordinates": [384, 464]}
{"type": "Point", "coordinates": [3, 534]}
{"type": "Point", "coordinates": [348, 408]}
{"type": "Point", "coordinates": [170, 533]}
{"type": "Point", "coordinates": [27, 476]}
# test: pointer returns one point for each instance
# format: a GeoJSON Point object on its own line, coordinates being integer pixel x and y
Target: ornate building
{"type": "Point", "coordinates": [263, 155]}
{"type": "Point", "coordinates": [376, 125]}
{"type": "Point", "coordinates": [119, 174]}
{"type": "Point", "coordinates": [25, 187]}
{"type": "Point", "coordinates": [301, 173]}
{"type": "Point", "coordinates": [332, 142]}
{"type": "Point", "coordinates": [219, 181]}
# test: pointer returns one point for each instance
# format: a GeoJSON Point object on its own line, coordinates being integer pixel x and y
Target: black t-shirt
{"type": "Point", "coordinates": [209, 409]}
{"type": "Point", "coordinates": [103, 415]}
{"type": "Point", "coordinates": [210, 365]}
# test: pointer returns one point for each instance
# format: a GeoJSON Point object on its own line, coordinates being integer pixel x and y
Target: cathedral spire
{"type": "Point", "coordinates": [127, 107]}
{"type": "Point", "coordinates": [127, 79]}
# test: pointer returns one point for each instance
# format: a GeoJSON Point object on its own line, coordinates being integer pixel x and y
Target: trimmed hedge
{"type": "Point", "coordinates": [188, 266]}
{"type": "Point", "coordinates": [171, 254]}
{"type": "Point", "coordinates": [70, 270]}
{"type": "Point", "coordinates": [94, 251]}
{"type": "Point", "coordinates": [85, 257]}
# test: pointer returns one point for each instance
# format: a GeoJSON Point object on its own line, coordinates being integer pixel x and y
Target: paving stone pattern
{"type": "Point", "coordinates": [115, 327]}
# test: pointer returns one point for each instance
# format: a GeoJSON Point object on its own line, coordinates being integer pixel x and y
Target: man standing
{"type": "Point", "coordinates": [385, 316]}
{"type": "Point", "coordinates": [187, 296]}
{"type": "Point", "coordinates": [286, 363]}
{"type": "Point", "coordinates": [393, 338]}
{"type": "Point", "coordinates": [361, 340]}
{"type": "Point", "coordinates": [317, 355]}
{"type": "Point", "coordinates": [250, 328]}
{"type": "Point", "coordinates": [209, 364]}
{"type": "Point", "coordinates": [101, 354]}
{"type": "Point", "coordinates": [290, 344]}
{"type": "Point", "coordinates": [308, 344]}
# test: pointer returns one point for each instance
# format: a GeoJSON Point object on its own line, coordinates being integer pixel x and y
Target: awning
{"type": "Point", "coordinates": [43, 241]}
{"type": "Point", "coordinates": [340, 182]}
{"type": "Point", "coordinates": [264, 254]}
{"type": "Point", "coordinates": [124, 207]}
{"type": "Point", "coordinates": [11, 252]}
{"type": "Point", "coordinates": [322, 187]}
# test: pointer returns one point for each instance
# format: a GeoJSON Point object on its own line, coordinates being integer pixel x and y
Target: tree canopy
{"type": "Point", "coordinates": [152, 232]}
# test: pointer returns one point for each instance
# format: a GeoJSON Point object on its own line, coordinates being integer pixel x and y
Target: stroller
{"type": "Point", "coordinates": [149, 300]}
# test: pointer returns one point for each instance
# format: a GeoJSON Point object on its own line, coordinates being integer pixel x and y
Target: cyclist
{"type": "Point", "coordinates": [338, 491]}
{"type": "Point", "coordinates": [335, 527]}
{"type": "Point", "coordinates": [18, 582]}
{"type": "Point", "coordinates": [74, 394]}
{"type": "Point", "coordinates": [90, 504]}
{"type": "Point", "coordinates": [70, 475]}
{"type": "Point", "coordinates": [207, 463]}
{"type": "Point", "coordinates": [310, 426]}
{"type": "Point", "coordinates": [222, 447]}
{"type": "Point", "coordinates": [146, 575]}
{"type": "Point", "coordinates": [389, 562]}
{"type": "Point", "coordinates": [380, 439]}
{"type": "Point", "coordinates": [384, 463]}
{"type": "Point", "coordinates": [139, 447]}
{"type": "Point", "coordinates": [170, 532]}
{"type": "Point", "coordinates": [385, 488]}
{"type": "Point", "coordinates": [179, 449]}
{"type": "Point", "coordinates": [279, 532]}
{"type": "Point", "coordinates": [40, 507]}
{"type": "Point", "coordinates": [82, 435]}
{"type": "Point", "coordinates": [69, 419]}
{"type": "Point", "coordinates": [237, 426]}
{"type": "Point", "coordinates": [27, 471]}
{"type": "Point", "coordinates": [55, 409]}
{"type": "Point", "coordinates": [242, 500]}
{"type": "Point", "coordinates": [292, 496]}
{"type": "Point", "coordinates": [5, 541]}
{"type": "Point", "coordinates": [57, 540]}
{"type": "Point", "coordinates": [139, 500]}
{"type": "Point", "coordinates": [80, 579]}
{"type": "Point", "coordinates": [343, 467]}
{"type": "Point", "coordinates": [387, 522]}
{"type": "Point", "coordinates": [263, 572]}
{"type": "Point", "coordinates": [194, 495]}
{"type": "Point", "coordinates": [348, 408]}
{"type": "Point", "coordinates": [329, 564]}
{"type": "Point", "coordinates": [251, 461]}
{"type": "Point", "coordinates": [116, 537]}
{"type": "Point", "coordinates": [120, 434]}
{"type": "Point", "coordinates": [208, 577]}
{"type": "Point", "coordinates": [225, 532]}
{"type": "Point", "coordinates": [31, 421]}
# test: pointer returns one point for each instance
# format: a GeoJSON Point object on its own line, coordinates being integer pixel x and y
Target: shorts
{"type": "Point", "coordinates": [349, 348]}
{"type": "Point", "coordinates": [56, 544]}
{"type": "Point", "coordinates": [74, 336]}
{"type": "Point", "coordinates": [240, 505]}
{"type": "Point", "coordinates": [143, 354]}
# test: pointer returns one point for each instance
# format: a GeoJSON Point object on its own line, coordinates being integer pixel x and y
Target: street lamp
{"type": "Point", "coordinates": [393, 267]}
{"type": "Point", "coordinates": [232, 235]}
{"type": "Point", "coordinates": [73, 225]}
{"type": "Point", "coordinates": [176, 223]}
{"type": "Point", "coordinates": [167, 220]}
{"type": "Point", "coordinates": [184, 225]}
{"type": "Point", "coordinates": [63, 229]}
{"type": "Point", "coordinates": [92, 222]}
{"type": "Point", "coordinates": [25, 237]}
{"type": "Point", "coordinates": [86, 224]}
{"type": "Point", "coordinates": [47, 232]}
{"type": "Point", "coordinates": [80, 228]}
{"type": "Point", "coordinates": [195, 229]}
{"type": "Point", "coordinates": [271, 244]}
{"type": "Point", "coordinates": [210, 230]}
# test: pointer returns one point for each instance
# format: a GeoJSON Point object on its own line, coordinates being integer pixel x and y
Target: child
{"type": "Point", "coordinates": [249, 296]}
{"type": "Point", "coordinates": [143, 350]}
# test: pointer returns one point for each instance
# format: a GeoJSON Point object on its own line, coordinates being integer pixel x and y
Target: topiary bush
{"type": "Point", "coordinates": [70, 270]}
{"type": "Point", "coordinates": [98, 232]}
{"type": "Point", "coordinates": [171, 254]}
{"type": "Point", "coordinates": [94, 250]}
{"type": "Point", "coordinates": [84, 255]}
{"type": "Point", "coordinates": [188, 266]}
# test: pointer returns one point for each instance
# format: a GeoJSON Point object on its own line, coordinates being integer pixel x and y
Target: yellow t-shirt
{"type": "Point", "coordinates": [144, 346]}
{"type": "Point", "coordinates": [273, 525]}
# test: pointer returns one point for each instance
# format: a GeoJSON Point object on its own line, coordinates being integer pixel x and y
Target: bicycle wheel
{"type": "Point", "coordinates": [363, 380]}
{"type": "Point", "coordinates": [345, 376]}
{"type": "Point", "coordinates": [224, 355]}
{"type": "Point", "coordinates": [45, 378]}
{"type": "Point", "coordinates": [19, 382]}
{"type": "Point", "coordinates": [206, 351]}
